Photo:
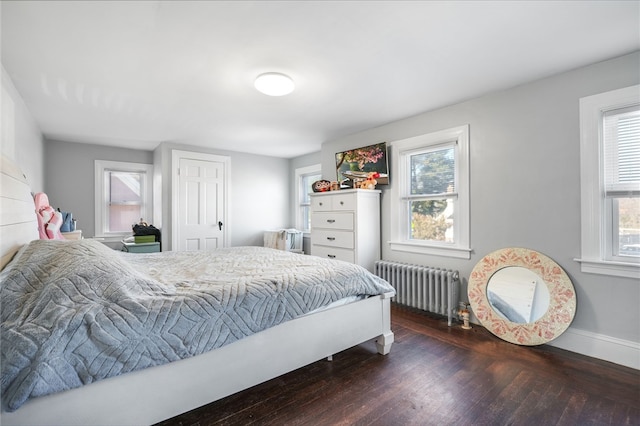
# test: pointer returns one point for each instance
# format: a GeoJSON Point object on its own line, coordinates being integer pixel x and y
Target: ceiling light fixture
{"type": "Point", "coordinates": [274, 84]}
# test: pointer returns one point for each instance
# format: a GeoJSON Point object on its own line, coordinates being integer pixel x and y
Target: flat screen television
{"type": "Point", "coordinates": [356, 164]}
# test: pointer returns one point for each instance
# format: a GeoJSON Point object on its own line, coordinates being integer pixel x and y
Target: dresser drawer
{"type": "Point", "coordinates": [333, 253]}
{"type": "Point", "coordinates": [335, 201]}
{"type": "Point", "coordinates": [344, 239]}
{"type": "Point", "coordinates": [343, 201]}
{"type": "Point", "coordinates": [321, 203]}
{"type": "Point", "coordinates": [333, 220]}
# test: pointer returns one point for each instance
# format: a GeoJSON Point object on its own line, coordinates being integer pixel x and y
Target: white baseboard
{"type": "Point", "coordinates": [618, 351]}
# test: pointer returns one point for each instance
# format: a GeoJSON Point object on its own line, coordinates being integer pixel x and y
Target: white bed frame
{"type": "Point", "coordinates": [158, 393]}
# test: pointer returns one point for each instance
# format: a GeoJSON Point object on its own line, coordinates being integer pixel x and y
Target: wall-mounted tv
{"type": "Point", "coordinates": [356, 164]}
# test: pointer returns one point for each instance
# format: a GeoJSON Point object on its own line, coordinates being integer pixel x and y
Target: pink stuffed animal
{"type": "Point", "coordinates": [49, 220]}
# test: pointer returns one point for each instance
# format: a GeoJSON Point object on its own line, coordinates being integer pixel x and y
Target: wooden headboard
{"type": "Point", "coordinates": [18, 222]}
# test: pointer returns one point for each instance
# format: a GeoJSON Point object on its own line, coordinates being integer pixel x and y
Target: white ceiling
{"type": "Point", "coordinates": [135, 74]}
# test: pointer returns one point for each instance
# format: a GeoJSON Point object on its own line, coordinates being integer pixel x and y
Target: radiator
{"type": "Point", "coordinates": [429, 289]}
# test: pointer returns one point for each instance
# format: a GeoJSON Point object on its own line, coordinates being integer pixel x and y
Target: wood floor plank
{"type": "Point", "coordinates": [625, 416]}
{"type": "Point", "coordinates": [500, 409]}
{"type": "Point", "coordinates": [597, 411]}
{"type": "Point", "coordinates": [437, 375]}
{"type": "Point", "coordinates": [573, 409]}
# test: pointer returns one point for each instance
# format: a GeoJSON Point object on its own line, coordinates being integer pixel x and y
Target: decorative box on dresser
{"type": "Point", "coordinates": [345, 225]}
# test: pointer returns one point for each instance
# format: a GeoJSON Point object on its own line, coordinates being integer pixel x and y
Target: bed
{"type": "Point", "coordinates": [177, 365]}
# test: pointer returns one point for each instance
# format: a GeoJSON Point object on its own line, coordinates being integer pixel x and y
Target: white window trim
{"type": "Point", "coordinates": [299, 174]}
{"type": "Point", "coordinates": [100, 185]}
{"type": "Point", "coordinates": [461, 249]}
{"type": "Point", "coordinates": [593, 212]}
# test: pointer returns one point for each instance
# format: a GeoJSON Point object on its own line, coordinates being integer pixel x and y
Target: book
{"type": "Point", "coordinates": [139, 239]}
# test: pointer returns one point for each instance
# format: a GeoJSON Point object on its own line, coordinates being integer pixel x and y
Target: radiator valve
{"type": "Point", "coordinates": [464, 313]}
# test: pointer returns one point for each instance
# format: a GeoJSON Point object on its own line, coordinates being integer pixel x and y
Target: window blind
{"type": "Point", "coordinates": [621, 134]}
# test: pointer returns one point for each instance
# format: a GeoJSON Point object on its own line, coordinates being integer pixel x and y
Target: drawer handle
{"type": "Point", "coordinates": [320, 203]}
{"type": "Point", "coordinates": [342, 203]}
{"type": "Point", "coordinates": [331, 220]}
{"type": "Point", "coordinates": [332, 256]}
{"type": "Point", "coordinates": [331, 238]}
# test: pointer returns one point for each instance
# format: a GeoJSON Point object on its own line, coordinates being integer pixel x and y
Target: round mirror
{"type": "Point", "coordinates": [522, 296]}
{"type": "Point", "coordinates": [518, 295]}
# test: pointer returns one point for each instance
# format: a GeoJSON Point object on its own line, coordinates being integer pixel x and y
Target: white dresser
{"type": "Point", "coordinates": [345, 225]}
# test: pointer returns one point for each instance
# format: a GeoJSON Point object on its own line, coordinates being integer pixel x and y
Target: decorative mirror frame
{"type": "Point", "coordinates": [562, 297]}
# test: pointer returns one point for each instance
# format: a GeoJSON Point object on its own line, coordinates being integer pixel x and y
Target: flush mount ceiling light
{"type": "Point", "coordinates": [274, 84]}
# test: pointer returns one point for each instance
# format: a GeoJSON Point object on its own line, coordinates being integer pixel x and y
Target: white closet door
{"type": "Point", "coordinates": [201, 222]}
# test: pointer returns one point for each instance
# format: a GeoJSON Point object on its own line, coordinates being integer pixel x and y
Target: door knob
{"type": "Point", "coordinates": [220, 225]}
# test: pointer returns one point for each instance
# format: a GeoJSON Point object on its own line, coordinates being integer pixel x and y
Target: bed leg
{"type": "Point", "coordinates": [383, 342]}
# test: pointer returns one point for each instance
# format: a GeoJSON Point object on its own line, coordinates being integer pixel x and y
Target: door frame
{"type": "Point", "coordinates": [176, 156]}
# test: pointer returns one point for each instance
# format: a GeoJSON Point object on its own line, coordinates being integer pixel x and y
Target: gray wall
{"type": "Point", "coordinates": [21, 139]}
{"type": "Point", "coordinates": [525, 182]}
{"type": "Point", "coordinates": [69, 172]}
{"type": "Point", "coordinates": [259, 193]}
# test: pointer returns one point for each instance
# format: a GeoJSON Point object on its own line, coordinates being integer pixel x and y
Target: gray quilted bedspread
{"type": "Point", "coordinates": [74, 312]}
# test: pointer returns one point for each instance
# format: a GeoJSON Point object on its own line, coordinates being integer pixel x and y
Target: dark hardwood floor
{"type": "Point", "coordinates": [436, 375]}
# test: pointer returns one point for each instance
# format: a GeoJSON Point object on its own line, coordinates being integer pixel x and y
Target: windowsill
{"type": "Point", "coordinates": [456, 252]}
{"type": "Point", "coordinates": [616, 269]}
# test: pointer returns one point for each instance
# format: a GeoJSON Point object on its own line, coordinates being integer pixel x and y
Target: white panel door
{"type": "Point", "coordinates": [201, 221]}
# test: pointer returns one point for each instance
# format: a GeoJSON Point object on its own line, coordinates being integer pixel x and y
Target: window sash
{"type": "Point", "coordinates": [305, 176]}
{"type": "Point", "coordinates": [600, 229]}
{"type": "Point", "coordinates": [122, 217]}
{"type": "Point", "coordinates": [457, 191]}
{"type": "Point", "coordinates": [446, 173]}
{"type": "Point", "coordinates": [447, 170]}
{"type": "Point", "coordinates": [116, 213]}
{"type": "Point", "coordinates": [306, 181]}
{"type": "Point", "coordinates": [125, 205]}
{"type": "Point", "coordinates": [124, 188]}
{"type": "Point", "coordinates": [434, 228]}
{"type": "Point", "coordinates": [621, 139]}
{"type": "Point", "coordinates": [621, 170]}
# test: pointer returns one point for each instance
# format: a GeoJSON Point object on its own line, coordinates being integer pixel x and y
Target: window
{"type": "Point", "coordinates": [305, 177]}
{"type": "Point", "coordinates": [431, 215]}
{"type": "Point", "coordinates": [123, 196]}
{"type": "Point", "coordinates": [610, 182]}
